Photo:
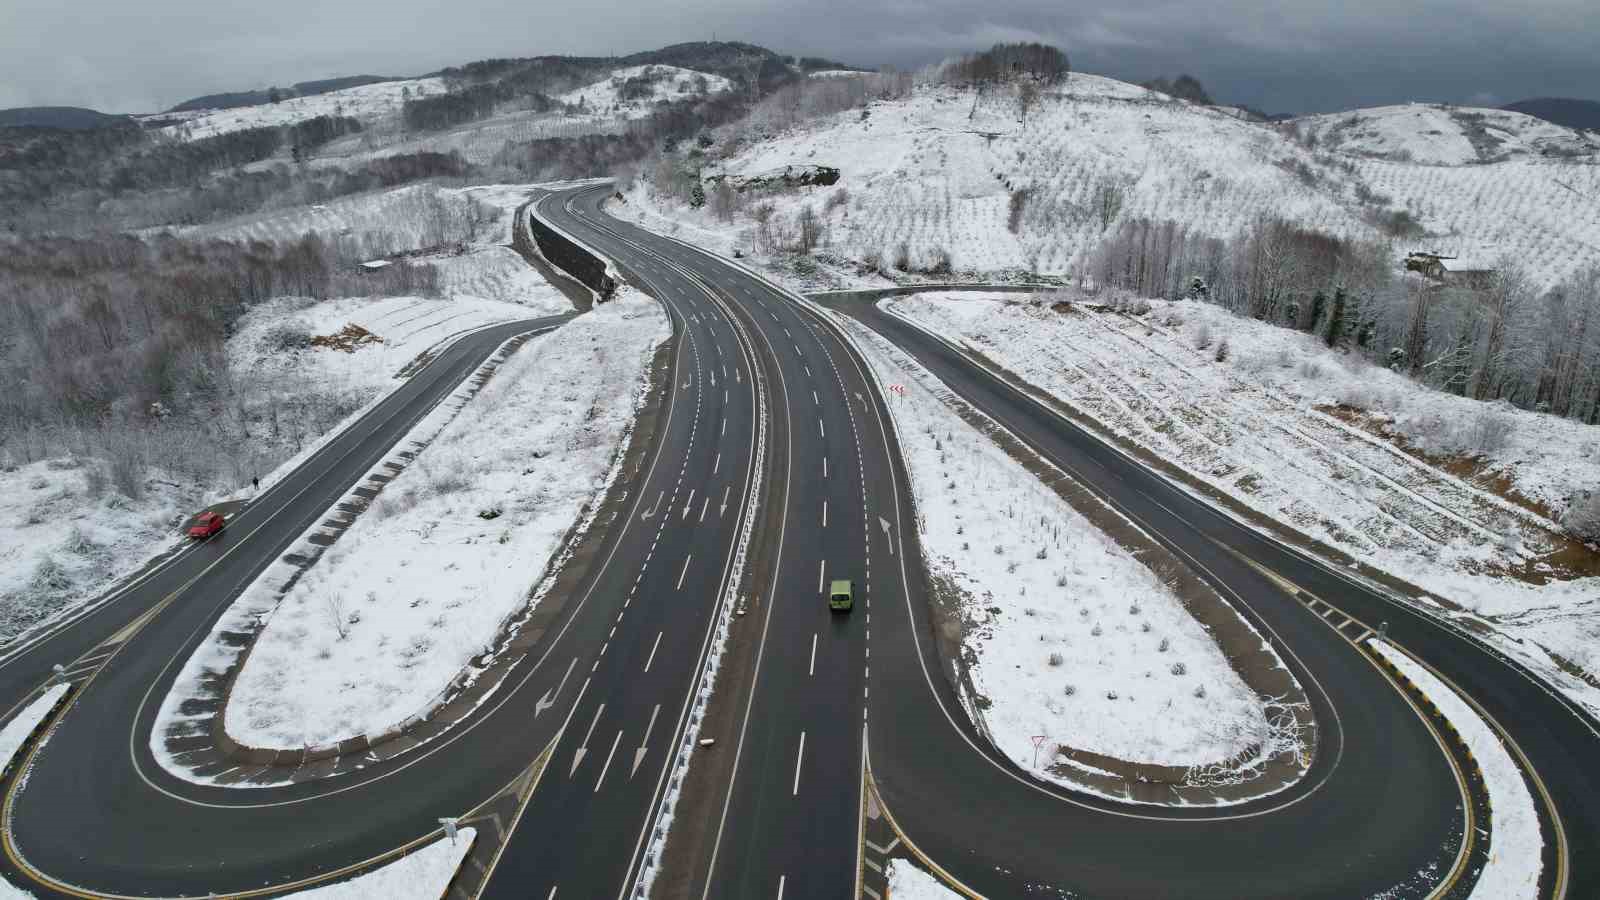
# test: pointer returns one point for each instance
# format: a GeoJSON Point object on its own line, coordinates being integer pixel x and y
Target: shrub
{"type": "Point", "coordinates": [1309, 370]}
{"type": "Point", "coordinates": [1057, 659]}
{"type": "Point", "coordinates": [902, 256]}
{"type": "Point", "coordinates": [1490, 432]}
{"type": "Point", "coordinates": [1179, 668]}
{"type": "Point", "coordinates": [1222, 351]}
{"type": "Point", "coordinates": [95, 481]}
{"type": "Point", "coordinates": [1202, 336]}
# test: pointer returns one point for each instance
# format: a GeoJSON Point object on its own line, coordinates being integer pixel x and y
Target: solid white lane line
{"type": "Point", "coordinates": [607, 767]}
{"type": "Point", "coordinates": [685, 570]}
{"type": "Point", "coordinates": [653, 648]}
{"type": "Point", "coordinates": [798, 758]}
{"type": "Point", "coordinates": [824, 514]}
{"type": "Point", "coordinates": [812, 670]}
{"type": "Point", "coordinates": [822, 565]}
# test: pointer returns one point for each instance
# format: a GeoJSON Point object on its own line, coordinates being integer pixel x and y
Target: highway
{"type": "Point", "coordinates": [775, 469]}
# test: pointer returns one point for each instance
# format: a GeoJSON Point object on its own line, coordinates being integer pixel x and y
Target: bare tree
{"type": "Point", "coordinates": [1027, 99]}
{"type": "Point", "coordinates": [1109, 197]}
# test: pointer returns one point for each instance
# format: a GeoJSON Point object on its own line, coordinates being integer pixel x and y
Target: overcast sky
{"type": "Point", "coordinates": [119, 56]}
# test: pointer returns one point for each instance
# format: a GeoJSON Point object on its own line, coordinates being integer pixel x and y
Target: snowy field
{"type": "Point", "coordinates": [1512, 872]}
{"type": "Point", "coordinates": [1262, 427]}
{"type": "Point", "coordinates": [422, 582]}
{"type": "Point", "coordinates": [370, 103]}
{"type": "Point", "coordinates": [936, 171]}
{"type": "Point", "coordinates": [404, 218]}
{"type": "Point", "coordinates": [1073, 637]}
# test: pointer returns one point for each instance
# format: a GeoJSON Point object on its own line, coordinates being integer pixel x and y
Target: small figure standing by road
{"type": "Point", "coordinates": [255, 484]}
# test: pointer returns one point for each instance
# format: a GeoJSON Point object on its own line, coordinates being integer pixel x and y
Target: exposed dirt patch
{"type": "Point", "coordinates": [347, 339]}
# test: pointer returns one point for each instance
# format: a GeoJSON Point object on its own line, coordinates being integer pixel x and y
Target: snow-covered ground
{"type": "Point", "coordinates": [1437, 134]}
{"type": "Point", "coordinates": [403, 218]}
{"type": "Point", "coordinates": [1512, 872]}
{"type": "Point", "coordinates": [937, 171]}
{"type": "Point", "coordinates": [369, 102]}
{"type": "Point", "coordinates": [604, 97]}
{"type": "Point", "coordinates": [1262, 427]}
{"type": "Point", "coordinates": [64, 535]}
{"type": "Point", "coordinates": [419, 875]}
{"type": "Point", "coordinates": [421, 583]}
{"type": "Point", "coordinates": [1074, 638]}
{"type": "Point", "coordinates": [907, 882]}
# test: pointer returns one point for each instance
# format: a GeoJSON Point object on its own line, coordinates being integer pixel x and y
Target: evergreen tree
{"type": "Point", "coordinates": [1335, 332]}
{"type": "Point", "coordinates": [697, 196]}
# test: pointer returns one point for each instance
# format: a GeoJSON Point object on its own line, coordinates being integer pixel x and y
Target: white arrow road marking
{"type": "Point", "coordinates": [638, 755]}
{"type": "Point", "coordinates": [549, 699]}
{"type": "Point", "coordinates": [886, 536]}
{"type": "Point", "coordinates": [653, 510]}
{"type": "Point", "coordinates": [798, 758]}
{"type": "Point", "coordinates": [578, 757]}
{"type": "Point", "coordinates": [686, 383]}
{"type": "Point", "coordinates": [607, 767]}
{"type": "Point", "coordinates": [688, 503]}
{"type": "Point", "coordinates": [723, 509]}
{"type": "Point", "coordinates": [653, 648]}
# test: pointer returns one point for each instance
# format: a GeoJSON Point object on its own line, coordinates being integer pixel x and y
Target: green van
{"type": "Point", "coordinates": [840, 596]}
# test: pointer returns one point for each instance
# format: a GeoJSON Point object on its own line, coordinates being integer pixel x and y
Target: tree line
{"type": "Point", "coordinates": [1498, 339]}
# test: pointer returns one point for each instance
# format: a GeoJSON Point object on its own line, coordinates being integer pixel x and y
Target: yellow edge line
{"type": "Point", "coordinates": [950, 880]}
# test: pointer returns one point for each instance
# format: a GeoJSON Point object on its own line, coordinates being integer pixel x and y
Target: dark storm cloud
{"type": "Point", "coordinates": [124, 57]}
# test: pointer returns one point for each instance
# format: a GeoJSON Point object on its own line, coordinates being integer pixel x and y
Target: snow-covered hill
{"type": "Point", "coordinates": [1437, 134]}
{"type": "Point", "coordinates": [369, 103]}
{"type": "Point", "coordinates": [633, 92]}
{"type": "Point", "coordinates": [940, 170]}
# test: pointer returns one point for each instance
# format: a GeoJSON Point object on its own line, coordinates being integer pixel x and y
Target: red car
{"type": "Point", "coordinates": [206, 524]}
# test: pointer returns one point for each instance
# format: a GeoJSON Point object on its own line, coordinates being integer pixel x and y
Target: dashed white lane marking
{"type": "Point", "coordinates": [824, 514]}
{"type": "Point", "coordinates": [607, 767]}
{"type": "Point", "coordinates": [820, 430]}
{"type": "Point", "coordinates": [780, 886]}
{"type": "Point", "coordinates": [685, 570]}
{"type": "Point", "coordinates": [653, 648]}
{"type": "Point", "coordinates": [705, 503]}
{"type": "Point", "coordinates": [798, 758]}
{"type": "Point", "coordinates": [824, 467]}
{"type": "Point", "coordinates": [812, 669]}
{"type": "Point", "coordinates": [814, 398]}
{"type": "Point", "coordinates": [822, 566]}
{"type": "Point", "coordinates": [552, 894]}
{"type": "Point", "coordinates": [808, 371]}
{"type": "Point", "coordinates": [724, 426]}
{"type": "Point", "coordinates": [714, 467]}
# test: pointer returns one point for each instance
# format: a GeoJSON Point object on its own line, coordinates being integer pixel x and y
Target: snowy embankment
{"type": "Point", "coordinates": [423, 581]}
{"type": "Point", "coordinates": [1269, 426]}
{"type": "Point", "coordinates": [1515, 846]}
{"type": "Point", "coordinates": [422, 874]}
{"type": "Point", "coordinates": [907, 882]}
{"type": "Point", "coordinates": [12, 737]}
{"type": "Point", "coordinates": [1073, 639]}
{"type": "Point", "coordinates": [65, 535]}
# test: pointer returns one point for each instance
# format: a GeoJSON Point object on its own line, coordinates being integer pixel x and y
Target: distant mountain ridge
{"type": "Point", "coordinates": [231, 100]}
{"type": "Point", "coordinates": [1565, 111]}
{"type": "Point", "coordinates": [73, 118]}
